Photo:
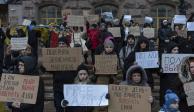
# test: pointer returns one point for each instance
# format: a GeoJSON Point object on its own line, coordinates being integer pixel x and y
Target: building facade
{"type": "Point", "coordinates": [47, 11]}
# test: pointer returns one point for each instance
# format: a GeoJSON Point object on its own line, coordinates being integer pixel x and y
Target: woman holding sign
{"type": "Point", "coordinates": [27, 66]}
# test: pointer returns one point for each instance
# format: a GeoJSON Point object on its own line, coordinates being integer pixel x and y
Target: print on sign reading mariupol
{"type": "Point", "coordinates": [86, 95]}
{"type": "Point", "coordinates": [73, 20]}
{"type": "Point", "coordinates": [19, 43]}
{"type": "Point", "coordinates": [124, 98]}
{"type": "Point", "coordinates": [170, 62]}
{"type": "Point", "coordinates": [60, 59]}
{"type": "Point", "coordinates": [189, 90]}
{"type": "Point", "coordinates": [19, 88]}
{"type": "Point", "coordinates": [106, 64]}
{"type": "Point", "coordinates": [116, 31]}
{"type": "Point", "coordinates": [147, 59]}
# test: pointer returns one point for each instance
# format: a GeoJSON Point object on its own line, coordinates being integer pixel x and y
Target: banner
{"type": "Point", "coordinates": [19, 88]}
{"type": "Point", "coordinates": [189, 91]}
{"type": "Point", "coordinates": [125, 98]}
{"type": "Point", "coordinates": [190, 26]}
{"type": "Point", "coordinates": [106, 64]}
{"type": "Point", "coordinates": [73, 20]}
{"type": "Point", "coordinates": [116, 31]}
{"type": "Point", "coordinates": [149, 32]}
{"type": "Point", "coordinates": [60, 59]}
{"type": "Point", "coordinates": [135, 30]}
{"type": "Point", "coordinates": [170, 62]}
{"type": "Point", "coordinates": [92, 19]}
{"type": "Point", "coordinates": [180, 19]}
{"type": "Point", "coordinates": [86, 95]}
{"type": "Point", "coordinates": [19, 43]}
{"type": "Point", "coordinates": [147, 59]}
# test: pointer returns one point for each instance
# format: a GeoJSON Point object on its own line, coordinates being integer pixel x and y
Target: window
{"type": "Point", "coordinates": [50, 14]}
{"type": "Point", "coordinates": [160, 12]}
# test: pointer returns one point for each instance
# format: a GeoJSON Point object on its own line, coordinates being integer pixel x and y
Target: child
{"type": "Point", "coordinates": [81, 78]}
{"type": "Point", "coordinates": [171, 102]}
{"type": "Point", "coordinates": [136, 76]}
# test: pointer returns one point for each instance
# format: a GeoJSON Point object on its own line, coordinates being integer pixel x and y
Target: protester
{"type": "Point", "coordinates": [81, 78]}
{"type": "Point", "coordinates": [60, 78]}
{"type": "Point", "coordinates": [186, 75]}
{"type": "Point", "coordinates": [163, 34]}
{"type": "Point", "coordinates": [27, 66]}
{"type": "Point", "coordinates": [136, 76]}
{"type": "Point", "coordinates": [171, 102]}
{"type": "Point", "coordinates": [125, 51]}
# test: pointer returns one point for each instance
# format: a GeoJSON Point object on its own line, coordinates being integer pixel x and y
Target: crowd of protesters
{"type": "Point", "coordinates": [97, 40]}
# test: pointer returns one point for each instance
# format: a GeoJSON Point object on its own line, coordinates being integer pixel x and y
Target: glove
{"type": "Point", "coordinates": [64, 103]}
{"type": "Point", "coordinates": [107, 96]}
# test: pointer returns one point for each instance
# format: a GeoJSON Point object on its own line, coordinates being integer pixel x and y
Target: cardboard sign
{"type": "Point", "coordinates": [26, 22]}
{"type": "Point", "coordinates": [106, 64]}
{"type": "Point", "coordinates": [73, 20]}
{"type": "Point", "coordinates": [93, 19]}
{"type": "Point", "coordinates": [170, 62]}
{"type": "Point", "coordinates": [189, 91]}
{"type": "Point", "coordinates": [180, 19]}
{"type": "Point", "coordinates": [60, 59]}
{"type": "Point", "coordinates": [182, 33]}
{"type": "Point", "coordinates": [116, 31]}
{"type": "Point", "coordinates": [86, 12]}
{"type": "Point", "coordinates": [135, 31]}
{"type": "Point", "coordinates": [125, 98]}
{"type": "Point", "coordinates": [149, 32]}
{"type": "Point", "coordinates": [147, 59]}
{"type": "Point", "coordinates": [190, 26]}
{"type": "Point", "coordinates": [19, 88]}
{"type": "Point", "coordinates": [86, 95]}
{"type": "Point", "coordinates": [19, 43]}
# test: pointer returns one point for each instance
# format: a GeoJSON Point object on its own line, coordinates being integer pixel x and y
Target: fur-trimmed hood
{"type": "Point", "coordinates": [131, 70]}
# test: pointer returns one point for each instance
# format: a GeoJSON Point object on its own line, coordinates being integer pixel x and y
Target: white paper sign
{"type": "Point", "coordinates": [148, 20]}
{"type": "Point", "coordinates": [108, 16]}
{"type": "Point", "coordinates": [190, 26]}
{"type": "Point", "coordinates": [19, 43]}
{"type": "Point", "coordinates": [170, 62]}
{"type": "Point", "coordinates": [180, 19]}
{"type": "Point", "coordinates": [147, 59]}
{"type": "Point", "coordinates": [86, 95]}
{"type": "Point", "coordinates": [189, 91]}
{"type": "Point", "coordinates": [127, 18]}
{"type": "Point", "coordinates": [26, 22]}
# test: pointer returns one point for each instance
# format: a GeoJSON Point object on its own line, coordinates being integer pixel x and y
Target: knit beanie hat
{"type": "Point", "coordinates": [108, 43]}
{"type": "Point", "coordinates": [170, 97]}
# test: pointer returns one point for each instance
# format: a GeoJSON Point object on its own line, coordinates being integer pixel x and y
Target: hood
{"type": "Point", "coordinates": [131, 70]}
{"type": "Point", "coordinates": [29, 64]}
{"type": "Point", "coordinates": [183, 70]}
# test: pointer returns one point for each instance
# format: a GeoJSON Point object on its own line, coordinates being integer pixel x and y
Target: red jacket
{"type": "Point", "coordinates": [93, 34]}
